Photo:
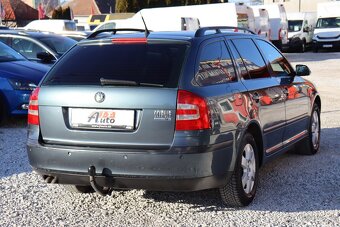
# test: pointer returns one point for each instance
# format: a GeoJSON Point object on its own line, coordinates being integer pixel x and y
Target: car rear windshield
{"type": "Point", "coordinates": [156, 64]}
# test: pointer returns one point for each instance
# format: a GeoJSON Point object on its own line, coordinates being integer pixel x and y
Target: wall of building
{"type": "Point", "coordinates": [298, 5]}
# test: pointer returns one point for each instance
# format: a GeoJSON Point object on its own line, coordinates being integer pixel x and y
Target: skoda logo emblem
{"type": "Point", "coordinates": [99, 97]}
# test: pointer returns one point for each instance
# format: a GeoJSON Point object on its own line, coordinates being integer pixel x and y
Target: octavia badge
{"type": "Point", "coordinates": [99, 97]}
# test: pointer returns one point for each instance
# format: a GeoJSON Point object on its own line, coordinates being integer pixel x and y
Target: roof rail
{"type": "Point", "coordinates": [114, 31]}
{"type": "Point", "coordinates": [201, 32]}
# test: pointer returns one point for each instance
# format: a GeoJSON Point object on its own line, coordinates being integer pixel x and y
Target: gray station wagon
{"type": "Point", "coordinates": [174, 111]}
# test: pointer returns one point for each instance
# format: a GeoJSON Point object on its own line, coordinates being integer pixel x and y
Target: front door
{"type": "Point", "coordinates": [297, 102]}
{"type": "Point", "coordinates": [265, 93]}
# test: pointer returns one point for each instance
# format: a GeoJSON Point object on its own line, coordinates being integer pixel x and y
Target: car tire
{"type": "Point", "coordinates": [311, 144]}
{"type": "Point", "coordinates": [241, 188]}
{"type": "Point", "coordinates": [3, 112]}
{"type": "Point", "coordinates": [78, 188]}
{"type": "Point", "coordinates": [315, 49]}
{"type": "Point", "coordinates": [303, 47]}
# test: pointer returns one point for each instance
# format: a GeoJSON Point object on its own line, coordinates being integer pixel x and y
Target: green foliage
{"type": "Point", "coordinates": [60, 13]}
{"type": "Point", "coordinates": [122, 6]}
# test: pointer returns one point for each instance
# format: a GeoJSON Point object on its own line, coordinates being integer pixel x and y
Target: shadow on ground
{"type": "Point", "coordinates": [291, 183]}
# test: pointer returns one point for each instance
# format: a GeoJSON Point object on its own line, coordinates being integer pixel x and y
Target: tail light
{"type": "Point", "coordinates": [192, 112]}
{"type": "Point", "coordinates": [130, 40]}
{"type": "Point", "coordinates": [259, 33]}
{"type": "Point", "coordinates": [269, 34]}
{"type": "Point", "coordinates": [33, 112]}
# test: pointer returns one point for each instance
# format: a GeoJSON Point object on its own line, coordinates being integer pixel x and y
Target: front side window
{"type": "Point", "coordinates": [278, 64]}
{"type": "Point", "coordinates": [215, 65]}
{"type": "Point", "coordinates": [26, 47]}
{"type": "Point", "coordinates": [252, 59]}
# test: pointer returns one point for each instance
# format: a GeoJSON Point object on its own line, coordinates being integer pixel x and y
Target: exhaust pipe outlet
{"type": "Point", "coordinates": [49, 179]}
{"type": "Point", "coordinates": [94, 185]}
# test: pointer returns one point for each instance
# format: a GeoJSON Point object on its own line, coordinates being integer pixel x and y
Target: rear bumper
{"type": "Point", "coordinates": [166, 171]}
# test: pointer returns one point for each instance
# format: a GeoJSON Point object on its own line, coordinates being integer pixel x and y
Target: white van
{"type": "Point", "coordinates": [327, 29]}
{"type": "Point", "coordinates": [300, 30]}
{"type": "Point", "coordinates": [262, 24]}
{"type": "Point", "coordinates": [186, 23]}
{"type": "Point", "coordinates": [170, 18]}
{"type": "Point", "coordinates": [278, 24]}
{"type": "Point", "coordinates": [245, 17]}
{"type": "Point", "coordinates": [52, 25]}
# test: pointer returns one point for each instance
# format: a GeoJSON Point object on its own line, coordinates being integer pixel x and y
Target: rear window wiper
{"type": "Point", "coordinates": [105, 82]}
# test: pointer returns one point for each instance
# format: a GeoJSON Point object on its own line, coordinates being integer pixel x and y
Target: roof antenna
{"type": "Point", "coordinates": [147, 32]}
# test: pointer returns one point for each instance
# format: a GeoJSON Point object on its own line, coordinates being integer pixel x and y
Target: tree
{"type": "Point", "coordinates": [122, 6]}
{"type": "Point", "coordinates": [60, 13]}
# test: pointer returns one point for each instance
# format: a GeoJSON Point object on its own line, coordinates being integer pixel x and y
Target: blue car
{"type": "Point", "coordinates": [18, 77]}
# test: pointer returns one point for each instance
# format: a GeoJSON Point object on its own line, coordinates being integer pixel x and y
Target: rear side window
{"type": "Point", "coordinates": [278, 64]}
{"type": "Point", "coordinates": [157, 64]}
{"type": "Point", "coordinates": [252, 58]}
{"type": "Point", "coordinates": [215, 65]}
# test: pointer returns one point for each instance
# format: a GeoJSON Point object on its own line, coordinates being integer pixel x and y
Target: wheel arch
{"type": "Point", "coordinates": [255, 130]}
{"type": "Point", "coordinates": [317, 100]}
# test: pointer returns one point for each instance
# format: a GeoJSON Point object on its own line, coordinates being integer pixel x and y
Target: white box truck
{"type": "Point", "coordinates": [300, 30]}
{"type": "Point", "coordinates": [169, 18]}
{"type": "Point", "coordinates": [245, 16]}
{"type": "Point", "coordinates": [262, 24]}
{"type": "Point", "coordinates": [327, 29]}
{"type": "Point", "coordinates": [278, 24]}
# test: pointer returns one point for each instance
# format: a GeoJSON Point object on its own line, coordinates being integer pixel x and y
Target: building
{"type": "Point", "coordinates": [17, 13]}
{"type": "Point", "coordinates": [48, 5]}
{"type": "Point", "coordinates": [292, 6]}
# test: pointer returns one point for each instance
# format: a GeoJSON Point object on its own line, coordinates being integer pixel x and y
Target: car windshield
{"type": "Point", "coordinates": [8, 54]}
{"type": "Point", "coordinates": [330, 22]}
{"type": "Point", "coordinates": [294, 25]}
{"type": "Point", "coordinates": [120, 64]}
{"type": "Point", "coordinates": [59, 44]}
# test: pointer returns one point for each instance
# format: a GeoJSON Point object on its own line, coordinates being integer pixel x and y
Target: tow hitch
{"type": "Point", "coordinates": [100, 190]}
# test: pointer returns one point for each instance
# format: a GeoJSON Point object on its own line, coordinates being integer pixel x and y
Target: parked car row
{"type": "Point", "coordinates": [37, 46]}
{"type": "Point", "coordinates": [25, 57]}
{"type": "Point", "coordinates": [18, 77]}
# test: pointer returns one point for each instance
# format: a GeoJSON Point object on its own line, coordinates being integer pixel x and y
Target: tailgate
{"type": "Point", "coordinates": [128, 117]}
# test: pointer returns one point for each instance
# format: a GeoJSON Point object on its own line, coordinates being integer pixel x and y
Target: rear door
{"type": "Point", "coordinates": [216, 79]}
{"type": "Point", "coordinates": [264, 92]}
{"type": "Point", "coordinates": [113, 94]}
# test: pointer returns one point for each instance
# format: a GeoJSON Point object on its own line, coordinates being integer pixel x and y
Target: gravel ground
{"type": "Point", "coordinates": [293, 191]}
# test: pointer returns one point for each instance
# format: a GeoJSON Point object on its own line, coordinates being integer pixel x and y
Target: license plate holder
{"type": "Point", "coordinates": [102, 119]}
{"type": "Point", "coordinates": [327, 45]}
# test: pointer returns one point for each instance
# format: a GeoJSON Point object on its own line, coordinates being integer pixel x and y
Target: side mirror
{"type": "Point", "coordinates": [45, 57]}
{"type": "Point", "coordinates": [302, 70]}
{"type": "Point", "coordinates": [306, 29]}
